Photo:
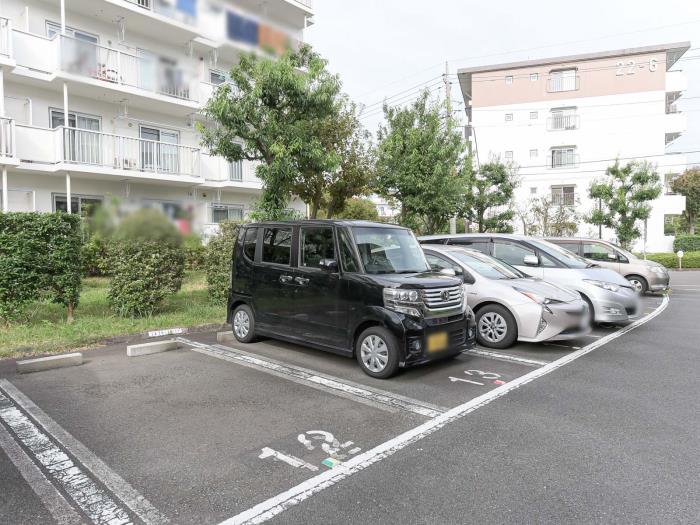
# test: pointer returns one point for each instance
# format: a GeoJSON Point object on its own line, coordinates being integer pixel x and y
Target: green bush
{"type": "Point", "coordinates": [219, 255]}
{"type": "Point", "coordinates": [670, 260]}
{"type": "Point", "coordinates": [39, 257]}
{"type": "Point", "coordinates": [147, 263]}
{"type": "Point", "coordinates": [95, 257]}
{"type": "Point", "coordinates": [195, 252]}
{"type": "Point", "coordinates": [687, 243]}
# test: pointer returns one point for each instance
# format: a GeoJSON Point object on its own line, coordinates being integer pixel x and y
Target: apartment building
{"type": "Point", "coordinates": [562, 121]}
{"type": "Point", "coordinates": [99, 99]}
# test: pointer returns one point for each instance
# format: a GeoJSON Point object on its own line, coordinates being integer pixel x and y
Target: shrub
{"type": "Point", "coordinates": [147, 263]}
{"type": "Point", "coordinates": [219, 254]}
{"type": "Point", "coordinates": [195, 252]}
{"type": "Point", "coordinates": [95, 257]}
{"type": "Point", "coordinates": [687, 243]}
{"type": "Point", "coordinates": [670, 260]}
{"type": "Point", "coordinates": [39, 257]}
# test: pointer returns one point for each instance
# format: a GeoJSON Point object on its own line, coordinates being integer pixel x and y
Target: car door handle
{"type": "Point", "coordinates": [285, 278]}
{"type": "Point", "coordinates": [301, 280]}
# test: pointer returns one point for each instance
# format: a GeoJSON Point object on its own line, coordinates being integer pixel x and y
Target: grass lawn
{"type": "Point", "coordinates": [46, 330]}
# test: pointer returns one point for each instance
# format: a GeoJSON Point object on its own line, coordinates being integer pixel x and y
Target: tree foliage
{"type": "Point", "coordinates": [625, 196]}
{"type": "Point", "coordinates": [218, 259]}
{"type": "Point", "coordinates": [688, 184]}
{"type": "Point", "coordinates": [359, 209]}
{"type": "Point", "coordinates": [420, 163]}
{"type": "Point", "coordinates": [488, 193]}
{"type": "Point", "coordinates": [552, 219]}
{"type": "Point", "coordinates": [271, 112]}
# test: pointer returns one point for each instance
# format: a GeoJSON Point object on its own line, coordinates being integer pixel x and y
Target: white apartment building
{"type": "Point", "coordinates": [564, 120]}
{"type": "Point", "coordinates": [99, 99]}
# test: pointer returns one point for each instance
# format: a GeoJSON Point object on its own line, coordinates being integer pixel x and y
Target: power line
{"type": "Point", "coordinates": [418, 86]}
{"type": "Point", "coordinates": [403, 100]}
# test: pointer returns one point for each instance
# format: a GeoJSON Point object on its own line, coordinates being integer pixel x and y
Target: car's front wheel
{"type": "Point", "coordinates": [495, 327]}
{"type": "Point", "coordinates": [377, 352]}
{"type": "Point", "coordinates": [639, 283]}
{"type": "Point", "coordinates": [243, 324]}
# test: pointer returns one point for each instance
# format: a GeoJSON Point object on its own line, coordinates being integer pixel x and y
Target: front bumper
{"type": "Point", "coordinates": [616, 307]}
{"type": "Point", "coordinates": [659, 282]}
{"type": "Point", "coordinates": [561, 321]}
{"type": "Point", "coordinates": [461, 334]}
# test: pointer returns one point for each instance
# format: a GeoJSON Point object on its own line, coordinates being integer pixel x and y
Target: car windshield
{"type": "Point", "coordinates": [486, 265]}
{"type": "Point", "coordinates": [562, 254]}
{"type": "Point", "coordinates": [624, 252]}
{"type": "Point", "coordinates": [389, 250]}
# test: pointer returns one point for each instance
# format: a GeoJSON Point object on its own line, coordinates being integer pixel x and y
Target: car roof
{"type": "Point", "coordinates": [576, 239]}
{"type": "Point", "coordinates": [447, 248]}
{"type": "Point", "coordinates": [329, 222]}
{"type": "Point", "coordinates": [513, 236]}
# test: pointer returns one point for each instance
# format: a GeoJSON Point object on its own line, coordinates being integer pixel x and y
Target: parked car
{"type": "Point", "coordinates": [355, 288]}
{"type": "Point", "coordinates": [644, 275]}
{"type": "Point", "coordinates": [610, 297]}
{"type": "Point", "coordinates": [508, 304]}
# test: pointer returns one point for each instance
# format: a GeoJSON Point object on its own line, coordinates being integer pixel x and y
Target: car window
{"type": "Point", "coordinates": [567, 258]}
{"type": "Point", "coordinates": [316, 244]}
{"type": "Point", "coordinates": [249, 242]}
{"type": "Point", "coordinates": [347, 256]}
{"type": "Point", "coordinates": [511, 253]}
{"type": "Point", "coordinates": [487, 266]}
{"type": "Point", "coordinates": [547, 261]}
{"type": "Point", "coordinates": [482, 246]}
{"type": "Point", "coordinates": [277, 245]}
{"type": "Point", "coordinates": [389, 250]}
{"type": "Point", "coordinates": [597, 251]}
{"type": "Point", "coordinates": [439, 263]}
{"type": "Point", "coordinates": [571, 246]}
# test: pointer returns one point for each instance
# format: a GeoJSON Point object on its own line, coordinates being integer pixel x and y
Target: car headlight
{"type": "Point", "coordinates": [403, 300]}
{"type": "Point", "coordinates": [539, 299]}
{"type": "Point", "coordinates": [612, 287]}
{"type": "Point", "coordinates": [658, 269]}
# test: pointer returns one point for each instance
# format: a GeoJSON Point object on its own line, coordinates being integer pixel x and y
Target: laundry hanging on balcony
{"type": "Point", "coordinates": [241, 29]}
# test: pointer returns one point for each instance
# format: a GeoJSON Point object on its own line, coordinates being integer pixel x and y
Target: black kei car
{"type": "Point", "coordinates": [354, 288]}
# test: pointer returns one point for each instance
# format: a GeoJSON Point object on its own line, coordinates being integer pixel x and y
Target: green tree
{"type": "Point", "coordinates": [270, 112]}
{"type": "Point", "coordinates": [688, 185]}
{"type": "Point", "coordinates": [360, 209]}
{"type": "Point", "coordinates": [553, 219]}
{"type": "Point", "coordinates": [489, 191]}
{"type": "Point", "coordinates": [420, 160]}
{"type": "Point", "coordinates": [343, 134]}
{"type": "Point", "coordinates": [624, 197]}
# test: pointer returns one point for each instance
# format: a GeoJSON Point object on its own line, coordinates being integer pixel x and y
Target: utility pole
{"type": "Point", "coordinates": [448, 115]}
{"type": "Point", "coordinates": [600, 226]}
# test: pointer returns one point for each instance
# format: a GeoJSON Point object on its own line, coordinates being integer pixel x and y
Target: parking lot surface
{"type": "Point", "coordinates": [221, 431]}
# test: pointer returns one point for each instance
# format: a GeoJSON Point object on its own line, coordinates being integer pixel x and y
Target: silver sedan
{"type": "Point", "coordinates": [510, 305]}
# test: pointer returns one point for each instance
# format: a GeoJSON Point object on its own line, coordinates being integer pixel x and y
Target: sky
{"type": "Point", "coordinates": [392, 48]}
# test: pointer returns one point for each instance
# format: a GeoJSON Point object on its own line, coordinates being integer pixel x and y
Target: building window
{"type": "Point", "coordinates": [217, 77]}
{"type": "Point", "coordinates": [509, 79]}
{"type": "Point", "coordinates": [53, 29]}
{"type": "Point", "coordinates": [509, 155]}
{"type": "Point", "coordinates": [509, 117]}
{"type": "Point", "coordinates": [562, 119]}
{"type": "Point", "coordinates": [533, 115]}
{"type": "Point", "coordinates": [533, 153]}
{"type": "Point", "coordinates": [226, 212]}
{"type": "Point", "coordinates": [235, 170]}
{"type": "Point", "coordinates": [564, 156]}
{"type": "Point", "coordinates": [563, 195]}
{"type": "Point", "coordinates": [81, 204]}
{"type": "Point", "coordinates": [668, 180]}
{"type": "Point", "coordinates": [533, 190]}
{"type": "Point", "coordinates": [534, 77]}
{"type": "Point", "coordinates": [562, 80]}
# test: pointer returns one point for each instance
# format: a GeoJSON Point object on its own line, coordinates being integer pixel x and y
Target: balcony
{"type": "Point", "coordinates": [5, 38]}
{"type": "Point", "coordinates": [675, 122]}
{"type": "Point", "coordinates": [676, 81]}
{"type": "Point", "coordinates": [563, 122]}
{"type": "Point", "coordinates": [7, 141]}
{"type": "Point", "coordinates": [185, 12]}
{"type": "Point", "coordinates": [559, 83]}
{"type": "Point", "coordinates": [217, 172]}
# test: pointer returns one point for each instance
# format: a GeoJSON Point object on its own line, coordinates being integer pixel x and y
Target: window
{"type": "Point", "coordinates": [598, 252]}
{"type": "Point", "coordinates": [216, 77]}
{"type": "Point", "coordinates": [389, 250]}
{"type": "Point", "coordinates": [509, 117]}
{"type": "Point", "coordinates": [668, 180]}
{"type": "Point", "coordinates": [533, 190]}
{"type": "Point", "coordinates": [347, 255]}
{"type": "Point", "coordinates": [534, 77]}
{"type": "Point", "coordinates": [509, 155]}
{"type": "Point", "coordinates": [533, 115]}
{"type": "Point", "coordinates": [235, 170]}
{"type": "Point", "coordinates": [511, 253]}
{"type": "Point", "coordinates": [316, 244]}
{"type": "Point", "coordinates": [509, 79]}
{"type": "Point", "coordinates": [277, 245]}
{"type": "Point", "coordinates": [53, 29]}
{"type": "Point", "coordinates": [564, 156]}
{"type": "Point", "coordinates": [563, 119]}
{"type": "Point", "coordinates": [249, 242]}
{"type": "Point", "coordinates": [533, 153]}
{"type": "Point", "coordinates": [226, 212]}
{"type": "Point", "coordinates": [82, 204]}
{"type": "Point", "coordinates": [562, 80]}
{"type": "Point", "coordinates": [481, 246]}
{"type": "Point", "coordinates": [438, 263]}
{"type": "Point", "coordinates": [159, 149]}
{"type": "Point", "coordinates": [571, 246]}
{"type": "Point", "coordinates": [564, 195]}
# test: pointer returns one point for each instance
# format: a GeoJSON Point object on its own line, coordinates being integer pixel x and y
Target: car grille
{"type": "Point", "coordinates": [457, 337]}
{"type": "Point", "coordinates": [631, 310]}
{"type": "Point", "coordinates": [437, 299]}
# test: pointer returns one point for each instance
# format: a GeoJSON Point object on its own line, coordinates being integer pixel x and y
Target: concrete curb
{"type": "Point", "coordinates": [153, 347]}
{"type": "Point", "coordinates": [224, 337]}
{"type": "Point", "coordinates": [48, 363]}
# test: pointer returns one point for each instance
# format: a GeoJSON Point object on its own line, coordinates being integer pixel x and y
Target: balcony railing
{"type": "Point", "coordinates": [118, 67]}
{"type": "Point", "coordinates": [7, 137]}
{"type": "Point", "coordinates": [169, 8]}
{"type": "Point", "coordinates": [5, 37]}
{"type": "Point", "coordinates": [557, 83]}
{"type": "Point", "coordinates": [562, 122]}
{"type": "Point", "coordinates": [94, 148]}
{"type": "Point", "coordinates": [563, 199]}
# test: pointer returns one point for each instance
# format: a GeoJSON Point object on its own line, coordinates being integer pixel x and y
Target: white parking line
{"type": "Point", "coordinates": [505, 357]}
{"type": "Point", "coordinates": [139, 505]}
{"type": "Point", "coordinates": [277, 504]}
{"type": "Point", "coordinates": [563, 346]}
{"type": "Point", "coordinates": [49, 495]}
{"type": "Point", "coordinates": [343, 388]}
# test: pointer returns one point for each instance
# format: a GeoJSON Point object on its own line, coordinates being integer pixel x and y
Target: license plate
{"type": "Point", "coordinates": [437, 341]}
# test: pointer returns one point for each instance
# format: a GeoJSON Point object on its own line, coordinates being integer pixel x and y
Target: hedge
{"type": "Point", "coordinates": [218, 261]}
{"type": "Point", "coordinates": [687, 243]}
{"type": "Point", "coordinates": [39, 258]}
{"type": "Point", "coordinates": [670, 260]}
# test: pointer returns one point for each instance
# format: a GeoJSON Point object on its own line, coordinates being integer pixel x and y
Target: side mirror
{"type": "Point", "coordinates": [448, 271]}
{"type": "Point", "coordinates": [531, 260]}
{"type": "Point", "coordinates": [329, 265]}
{"type": "Point", "coordinates": [612, 256]}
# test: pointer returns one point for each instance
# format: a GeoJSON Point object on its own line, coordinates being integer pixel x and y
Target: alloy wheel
{"type": "Point", "coordinates": [638, 286]}
{"type": "Point", "coordinates": [374, 353]}
{"type": "Point", "coordinates": [493, 327]}
{"type": "Point", "coordinates": [241, 324]}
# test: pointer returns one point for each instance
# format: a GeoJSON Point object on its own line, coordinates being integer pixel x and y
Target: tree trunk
{"type": "Point", "coordinates": [692, 219]}
{"type": "Point", "coordinates": [71, 307]}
